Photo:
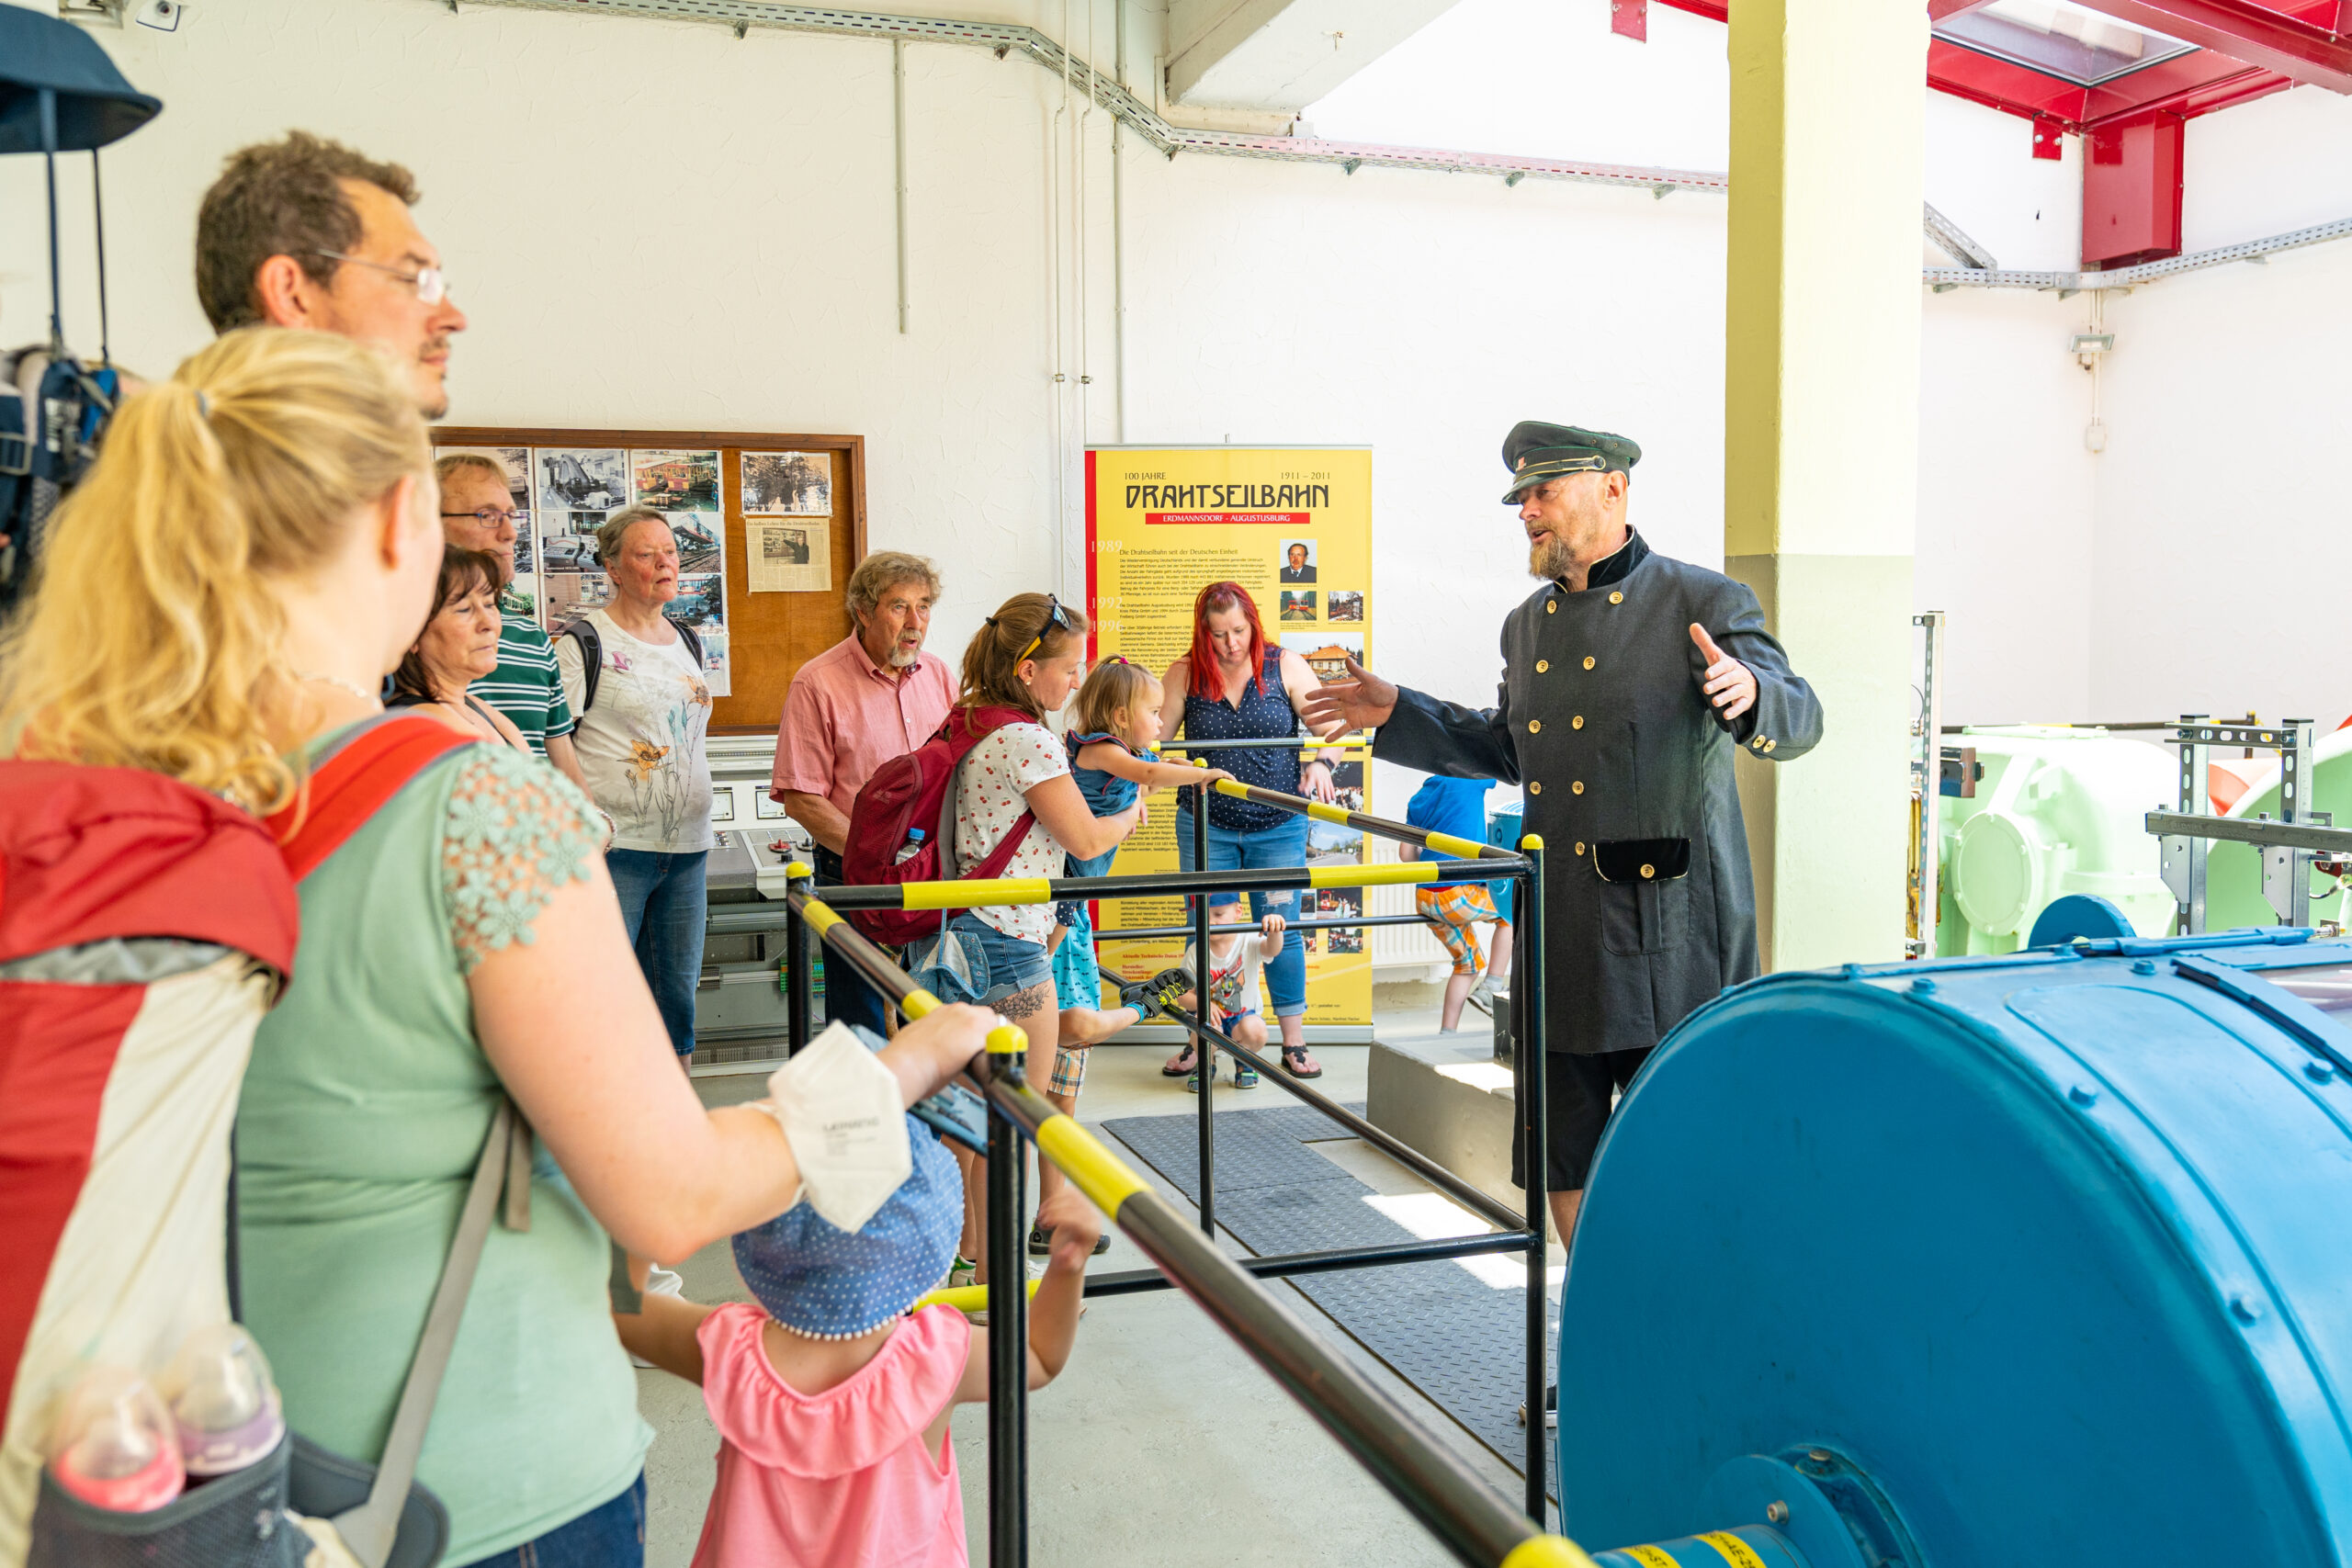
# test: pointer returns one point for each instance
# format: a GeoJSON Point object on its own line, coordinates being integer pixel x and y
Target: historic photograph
{"type": "Point", "coordinates": [701, 601]}
{"type": "Point", "coordinates": [790, 482]}
{"type": "Point", "coordinates": [1326, 653]}
{"type": "Point", "coordinates": [1343, 604]}
{"type": "Point", "coordinates": [582, 479]}
{"type": "Point", "coordinates": [677, 481]}
{"type": "Point", "coordinates": [1299, 604]}
{"type": "Point", "coordinates": [571, 593]}
{"type": "Point", "coordinates": [1296, 562]}
{"type": "Point", "coordinates": [697, 536]}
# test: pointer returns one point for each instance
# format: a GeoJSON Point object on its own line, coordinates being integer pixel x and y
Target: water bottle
{"type": "Point", "coordinates": [224, 1405]}
{"type": "Point", "coordinates": [913, 847]}
{"type": "Point", "coordinates": [114, 1446]}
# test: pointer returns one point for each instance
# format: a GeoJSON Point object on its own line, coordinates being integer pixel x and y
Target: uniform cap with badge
{"type": "Point", "coordinates": [1534, 452]}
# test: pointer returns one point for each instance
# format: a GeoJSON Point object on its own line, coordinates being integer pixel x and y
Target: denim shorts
{"type": "Point", "coordinates": [971, 961]}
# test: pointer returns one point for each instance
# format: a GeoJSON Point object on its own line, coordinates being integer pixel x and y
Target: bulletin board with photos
{"type": "Point", "coordinates": [768, 528]}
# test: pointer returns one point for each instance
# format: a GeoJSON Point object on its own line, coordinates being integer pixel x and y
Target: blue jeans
{"type": "Point", "coordinates": [971, 961]}
{"type": "Point", "coordinates": [612, 1535]}
{"type": "Point", "coordinates": [663, 906]}
{"type": "Point", "coordinates": [1284, 845]}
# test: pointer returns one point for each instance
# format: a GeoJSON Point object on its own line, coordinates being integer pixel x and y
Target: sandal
{"type": "Point", "coordinates": [1177, 1065]}
{"type": "Point", "coordinates": [1244, 1076]}
{"type": "Point", "coordinates": [1299, 1065]}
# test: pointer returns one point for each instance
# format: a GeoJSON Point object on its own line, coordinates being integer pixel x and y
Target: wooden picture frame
{"type": "Point", "coordinates": [770, 635]}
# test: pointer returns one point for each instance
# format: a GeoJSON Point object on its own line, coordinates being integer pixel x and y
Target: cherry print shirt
{"type": "Point", "coordinates": [991, 787]}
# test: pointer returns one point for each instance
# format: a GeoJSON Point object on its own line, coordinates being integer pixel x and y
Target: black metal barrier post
{"type": "Point", "coordinates": [800, 984]}
{"type": "Point", "coordinates": [1527, 1051]}
{"type": "Point", "coordinates": [1201, 1060]}
{"type": "Point", "coordinates": [1475, 1523]}
{"type": "Point", "coordinates": [1008, 1333]}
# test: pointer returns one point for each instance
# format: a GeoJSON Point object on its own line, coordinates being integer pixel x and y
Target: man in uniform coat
{"type": "Point", "coordinates": [1628, 679]}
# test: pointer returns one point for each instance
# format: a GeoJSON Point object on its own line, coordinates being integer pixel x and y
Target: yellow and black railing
{"type": "Point", "coordinates": [1523, 1233]}
{"type": "Point", "coordinates": [1476, 1524]}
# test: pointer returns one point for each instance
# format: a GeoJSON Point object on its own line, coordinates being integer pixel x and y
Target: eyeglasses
{"type": "Point", "coordinates": [490, 516]}
{"type": "Point", "coordinates": [431, 283]}
{"type": "Point", "coordinates": [1053, 617]}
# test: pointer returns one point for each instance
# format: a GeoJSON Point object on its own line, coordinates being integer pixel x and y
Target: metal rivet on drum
{"type": "Point", "coordinates": [2318, 1071]}
{"type": "Point", "coordinates": [2082, 1094]}
{"type": "Point", "coordinates": [2143, 966]}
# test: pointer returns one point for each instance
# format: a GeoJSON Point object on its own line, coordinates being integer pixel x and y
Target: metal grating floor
{"type": "Point", "coordinates": [1437, 1326]}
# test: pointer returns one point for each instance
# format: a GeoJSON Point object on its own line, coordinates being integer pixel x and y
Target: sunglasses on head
{"type": "Point", "coordinates": [1053, 617]}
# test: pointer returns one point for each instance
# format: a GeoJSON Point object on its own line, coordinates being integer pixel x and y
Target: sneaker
{"type": "Point", "coordinates": [658, 1281]}
{"type": "Point", "coordinates": [959, 1273]}
{"type": "Point", "coordinates": [1151, 997]}
{"type": "Point", "coordinates": [1244, 1076]}
{"type": "Point", "coordinates": [1482, 995]}
{"type": "Point", "coordinates": [1551, 1407]}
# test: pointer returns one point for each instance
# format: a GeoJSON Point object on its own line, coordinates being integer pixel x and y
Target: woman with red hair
{"type": "Point", "coordinates": [1235, 687]}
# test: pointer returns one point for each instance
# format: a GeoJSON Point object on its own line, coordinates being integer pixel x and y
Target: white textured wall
{"type": "Point", "coordinates": [656, 224]}
{"type": "Point", "coordinates": [2222, 511]}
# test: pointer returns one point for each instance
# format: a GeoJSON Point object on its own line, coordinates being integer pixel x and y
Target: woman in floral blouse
{"type": "Point", "coordinates": [640, 745]}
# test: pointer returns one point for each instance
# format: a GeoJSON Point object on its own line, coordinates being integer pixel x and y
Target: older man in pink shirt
{"type": "Point", "coordinates": [873, 695]}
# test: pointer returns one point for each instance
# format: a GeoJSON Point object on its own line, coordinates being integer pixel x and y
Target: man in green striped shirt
{"type": "Point", "coordinates": [478, 513]}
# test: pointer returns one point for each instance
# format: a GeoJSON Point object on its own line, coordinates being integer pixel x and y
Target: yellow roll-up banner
{"type": "Point", "coordinates": [1293, 528]}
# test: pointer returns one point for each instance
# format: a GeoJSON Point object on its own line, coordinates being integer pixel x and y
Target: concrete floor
{"type": "Point", "coordinates": [1161, 1443]}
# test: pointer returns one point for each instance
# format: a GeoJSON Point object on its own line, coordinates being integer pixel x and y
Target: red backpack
{"type": "Point", "coordinates": [911, 800]}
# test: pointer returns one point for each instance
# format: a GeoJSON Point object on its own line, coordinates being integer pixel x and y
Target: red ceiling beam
{"type": "Point", "coordinates": [2275, 40]}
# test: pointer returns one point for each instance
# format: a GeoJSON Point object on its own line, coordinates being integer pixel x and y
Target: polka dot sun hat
{"type": "Point", "coordinates": [827, 1283]}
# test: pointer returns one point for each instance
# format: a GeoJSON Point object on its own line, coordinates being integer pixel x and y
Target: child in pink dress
{"type": "Point", "coordinates": [831, 1403]}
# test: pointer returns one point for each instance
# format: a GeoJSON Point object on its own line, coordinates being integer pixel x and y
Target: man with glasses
{"type": "Point", "coordinates": [306, 232]}
{"type": "Point", "coordinates": [478, 514]}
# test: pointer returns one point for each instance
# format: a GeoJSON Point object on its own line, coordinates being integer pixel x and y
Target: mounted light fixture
{"type": "Point", "coordinates": [2084, 344]}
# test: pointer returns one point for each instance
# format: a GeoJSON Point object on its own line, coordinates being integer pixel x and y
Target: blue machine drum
{"type": "Point", "coordinates": [2050, 1249]}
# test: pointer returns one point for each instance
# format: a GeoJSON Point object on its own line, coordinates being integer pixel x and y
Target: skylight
{"type": "Point", "coordinates": [2059, 38]}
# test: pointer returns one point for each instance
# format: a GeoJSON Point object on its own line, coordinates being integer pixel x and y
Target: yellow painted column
{"type": "Point", "coordinates": [1820, 443]}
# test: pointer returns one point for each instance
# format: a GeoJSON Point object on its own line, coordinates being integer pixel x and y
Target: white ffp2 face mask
{"type": "Point", "coordinates": [840, 1110]}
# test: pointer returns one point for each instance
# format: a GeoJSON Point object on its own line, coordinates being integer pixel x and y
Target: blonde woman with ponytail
{"type": "Point", "coordinates": [221, 601]}
{"type": "Point", "coordinates": [1024, 663]}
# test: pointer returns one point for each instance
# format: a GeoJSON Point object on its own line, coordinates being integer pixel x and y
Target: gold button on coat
{"type": "Point", "coordinates": [1534, 726]}
{"type": "Point", "coordinates": [1576, 723]}
{"type": "Point", "coordinates": [1588, 660]}
{"type": "Point", "coordinates": [1579, 846]}
{"type": "Point", "coordinates": [1770, 744]}
{"type": "Point", "coordinates": [1577, 788]}
{"type": "Point", "coordinates": [1534, 788]}
{"type": "Point", "coordinates": [1551, 606]}
{"type": "Point", "coordinates": [1649, 871]}
{"type": "Point", "coordinates": [1616, 598]}
{"type": "Point", "coordinates": [1542, 665]}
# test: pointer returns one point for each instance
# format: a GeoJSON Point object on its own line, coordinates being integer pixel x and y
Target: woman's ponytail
{"type": "Point", "coordinates": [153, 637]}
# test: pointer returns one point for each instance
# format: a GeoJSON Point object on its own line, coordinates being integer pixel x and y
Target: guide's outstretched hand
{"type": "Point", "coordinates": [1362, 701]}
{"type": "Point", "coordinates": [1728, 683]}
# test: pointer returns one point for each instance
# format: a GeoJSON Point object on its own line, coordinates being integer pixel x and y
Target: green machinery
{"type": "Point", "coordinates": [2035, 812]}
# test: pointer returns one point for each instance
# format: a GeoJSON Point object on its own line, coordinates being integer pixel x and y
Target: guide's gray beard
{"type": "Point", "coordinates": [1550, 561]}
